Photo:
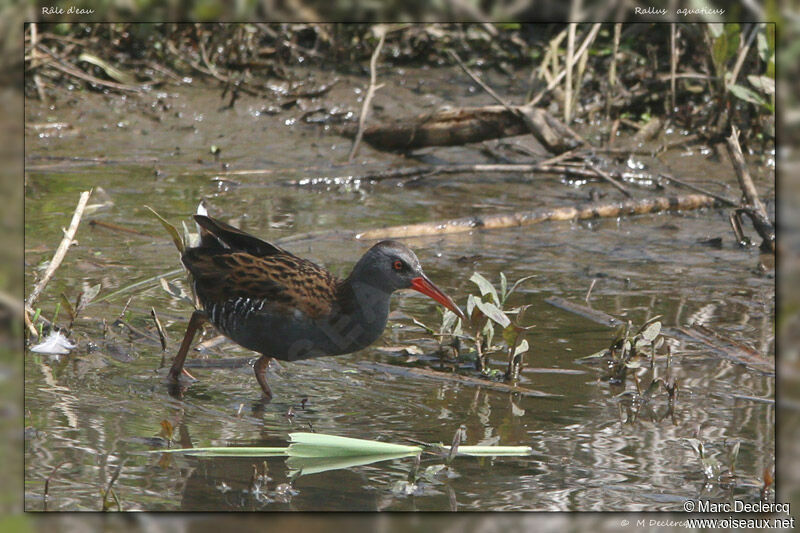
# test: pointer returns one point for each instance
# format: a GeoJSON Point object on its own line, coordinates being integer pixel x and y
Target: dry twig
{"type": "Point", "coordinates": [61, 251]}
{"type": "Point", "coordinates": [362, 120]}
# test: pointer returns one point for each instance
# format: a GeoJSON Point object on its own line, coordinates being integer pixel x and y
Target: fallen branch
{"type": "Point", "coordinates": [526, 218]}
{"type": "Point", "coordinates": [434, 170]}
{"type": "Point", "coordinates": [726, 348]}
{"type": "Point", "coordinates": [61, 251]}
{"type": "Point", "coordinates": [586, 312]}
{"type": "Point", "coordinates": [449, 376]}
{"type": "Point", "coordinates": [456, 127]}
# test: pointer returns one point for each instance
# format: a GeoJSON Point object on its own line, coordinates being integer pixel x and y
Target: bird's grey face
{"type": "Point", "coordinates": [391, 266]}
{"type": "Point", "coordinates": [396, 265]}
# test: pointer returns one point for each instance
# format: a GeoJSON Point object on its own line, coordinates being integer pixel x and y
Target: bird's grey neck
{"type": "Point", "coordinates": [370, 303]}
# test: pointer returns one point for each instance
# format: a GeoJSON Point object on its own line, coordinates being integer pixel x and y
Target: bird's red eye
{"type": "Point", "coordinates": [398, 265]}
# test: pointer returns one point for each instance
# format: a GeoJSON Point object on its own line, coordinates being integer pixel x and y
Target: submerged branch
{"type": "Point", "coordinates": [526, 218]}
{"type": "Point", "coordinates": [466, 380]}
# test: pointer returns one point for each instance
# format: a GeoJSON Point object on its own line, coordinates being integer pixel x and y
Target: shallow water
{"type": "Point", "coordinates": [95, 409]}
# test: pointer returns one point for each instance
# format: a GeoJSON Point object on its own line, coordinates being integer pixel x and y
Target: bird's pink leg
{"type": "Point", "coordinates": [198, 317]}
{"type": "Point", "coordinates": [260, 368]}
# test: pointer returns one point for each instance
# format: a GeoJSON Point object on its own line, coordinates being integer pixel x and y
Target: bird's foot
{"type": "Point", "coordinates": [174, 376]}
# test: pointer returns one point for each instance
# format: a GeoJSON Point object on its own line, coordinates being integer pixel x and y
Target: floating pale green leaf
{"type": "Point", "coordinates": [485, 286]}
{"type": "Point", "coordinates": [492, 450]}
{"type": "Point", "coordinates": [314, 465]}
{"type": "Point", "coordinates": [492, 311]}
{"type": "Point", "coordinates": [228, 451]}
{"type": "Point", "coordinates": [357, 451]}
{"type": "Point", "coordinates": [176, 238]}
{"type": "Point", "coordinates": [320, 445]}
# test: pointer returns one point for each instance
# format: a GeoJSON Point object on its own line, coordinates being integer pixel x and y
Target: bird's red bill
{"type": "Point", "coordinates": [426, 287]}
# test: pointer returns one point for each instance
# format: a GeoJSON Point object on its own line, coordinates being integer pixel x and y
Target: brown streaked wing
{"type": "Point", "coordinates": [282, 279]}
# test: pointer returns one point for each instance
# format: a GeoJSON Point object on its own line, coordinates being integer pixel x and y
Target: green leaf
{"type": "Point", "coordinates": [724, 46]}
{"type": "Point", "coordinates": [470, 304]}
{"type": "Point", "coordinates": [428, 329]}
{"type": "Point", "coordinates": [510, 334]}
{"type": "Point", "coordinates": [90, 294]}
{"type": "Point", "coordinates": [748, 95]}
{"type": "Point", "coordinates": [652, 388]}
{"type": "Point", "coordinates": [765, 84]}
{"type": "Point", "coordinates": [448, 321]}
{"type": "Point", "coordinates": [770, 31]}
{"type": "Point", "coordinates": [503, 288]}
{"type": "Point", "coordinates": [597, 355]}
{"type": "Point", "coordinates": [517, 284]}
{"type": "Point", "coordinates": [762, 46]}
{"type": "Point", "coordinates": [485, 286]}
{"type": "Point", "coordinates": [522, 347]}
{"type": "Point", "coordinates": [652, 331]}
{"type": "Point", "coordinates": [698, 447]}
{"type": "Point", "coordinates": [733, 454]}
{"type": "Point", "coordinates": [715, 29]}
{"type": "Point", "coordinates": [66, 305]}
{"type": "Point", "coordinates": [176, 238]}
{"type": "Point", "coordinates": [488, 333]}
{"type": "Point", "coordinates": [492, 311]}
